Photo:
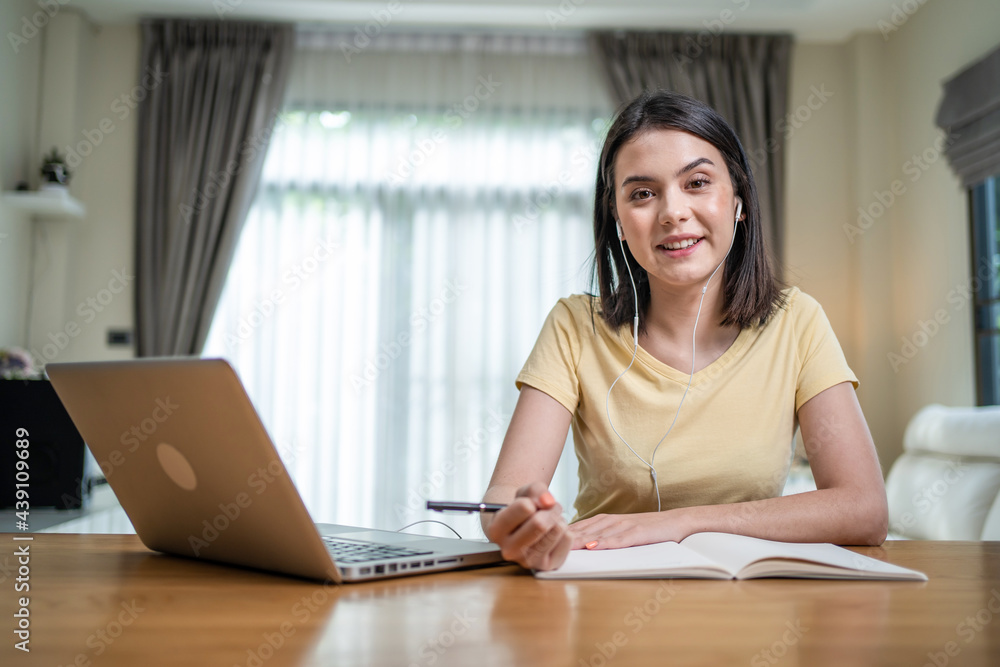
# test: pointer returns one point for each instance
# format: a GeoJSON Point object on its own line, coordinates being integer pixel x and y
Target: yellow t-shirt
{"type": "Point", "coordinates": [733, 440]}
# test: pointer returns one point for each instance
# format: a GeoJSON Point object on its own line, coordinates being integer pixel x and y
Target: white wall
{"type": "Point", "coordinates": [869, 238]}
{"type": "Point", "coordinates": [19, 66]}
{"type": "Point", "coordinates": [930, 225]}
{"type": "Point", "coordinates": [84, 268]}
{"type": "Point", "coordinates": [817, 178]}
{"type": "Point", "coordinates": [879, 285]}
{"type": "Point", "coordinates": [102, 244]}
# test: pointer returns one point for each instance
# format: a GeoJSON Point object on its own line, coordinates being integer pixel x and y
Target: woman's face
{"type": "Point", "coordinates": [675, 201]}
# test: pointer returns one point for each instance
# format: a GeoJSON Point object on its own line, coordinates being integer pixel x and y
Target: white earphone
{"type": "Point", "coordinates": [651, 464]}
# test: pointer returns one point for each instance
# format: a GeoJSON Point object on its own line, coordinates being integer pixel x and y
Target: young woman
{"type": "Point", "coordinates": [685, 380]}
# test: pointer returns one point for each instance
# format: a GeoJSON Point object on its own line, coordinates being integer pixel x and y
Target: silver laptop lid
{"type": "Point", "coordinates": [190, 461]}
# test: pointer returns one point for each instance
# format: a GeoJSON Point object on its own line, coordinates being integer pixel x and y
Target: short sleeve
{"type": "Point", "coordinates": [821, 359]}
{"type": "Point", "coordinates": [552, 365]}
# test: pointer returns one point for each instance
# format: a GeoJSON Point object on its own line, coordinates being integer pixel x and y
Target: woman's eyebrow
{"type": "Point", "coordinates": [637, 179]}
{"type": "Point", "coordinates": [691, 165]}
{"type": "Point", "coordinates": [686, 168]}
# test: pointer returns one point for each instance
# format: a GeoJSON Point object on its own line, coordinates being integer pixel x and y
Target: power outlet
{"type": "Point", "coordinates": [119, 337]}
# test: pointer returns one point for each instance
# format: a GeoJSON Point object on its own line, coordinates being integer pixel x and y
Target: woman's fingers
{"type": "Point", "coordinates": [531, 530]}
{"type": "Point", "coordinates": [551, 550]}
{"type": "Point", "coordinates": [613, 531]}
{"type": "Point", "coordinates": [538, 493]}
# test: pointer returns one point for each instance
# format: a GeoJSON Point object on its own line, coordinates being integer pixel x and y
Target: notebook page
{"type": "Point", "coordinates": [648, 560]}
{"type": "Point", "coordinates": [738, 551]}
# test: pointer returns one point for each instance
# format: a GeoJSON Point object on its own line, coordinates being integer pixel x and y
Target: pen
{"type": "Point", "coordinates": [448, 506]}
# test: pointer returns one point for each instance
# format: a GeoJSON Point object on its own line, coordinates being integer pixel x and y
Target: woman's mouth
{"type": "Point", "coordinates": [679, 248]}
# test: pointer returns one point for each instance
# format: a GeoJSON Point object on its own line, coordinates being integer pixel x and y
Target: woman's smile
{"type": "Point", "coordinates": [680, 246]}
{"type": "Point", "coordinates": [676, 206]}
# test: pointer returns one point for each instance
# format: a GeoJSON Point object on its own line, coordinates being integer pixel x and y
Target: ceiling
{"type": "Point", "coordinates": [808, 20]}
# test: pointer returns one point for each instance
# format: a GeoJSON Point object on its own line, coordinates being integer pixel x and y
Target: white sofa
{"type": "Point", "coordinates": [946, 485]}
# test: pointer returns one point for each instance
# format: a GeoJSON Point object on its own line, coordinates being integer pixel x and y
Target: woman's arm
{"type": "Point", "coordinates": [848, 507]}
{"type": "Point", "coordinates": [530, 530]}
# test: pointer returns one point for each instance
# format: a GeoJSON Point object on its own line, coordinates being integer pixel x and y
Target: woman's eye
{"type": "Point", "coordinates": [642, 194]}
{"type": "Point", "coordinates": [698, 183]}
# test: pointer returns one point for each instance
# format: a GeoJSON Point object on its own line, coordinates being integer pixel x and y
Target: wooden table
{"type": "Point", "coordinates": [106, 600]}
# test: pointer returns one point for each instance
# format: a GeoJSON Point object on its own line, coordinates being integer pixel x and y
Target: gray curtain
{"type": "Point", "coordinates": [743, 77]}
{"type": "Point", "coordinates": [212, 91]}
{"type": "Point", "coordinates": [970, 114]}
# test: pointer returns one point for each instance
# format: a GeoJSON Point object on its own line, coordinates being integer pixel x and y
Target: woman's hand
{"type": "Point", "coordinates": [531, 530]}
{"type": "Point", "coordinates": [613, 531]}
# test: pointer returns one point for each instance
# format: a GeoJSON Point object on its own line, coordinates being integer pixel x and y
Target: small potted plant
{"type": "Point", "coordinates": [54, 172]}
{"type": "Point", "coordinates": [17, 364]}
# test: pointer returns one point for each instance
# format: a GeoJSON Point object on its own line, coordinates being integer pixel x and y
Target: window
{"type": "Point", "coordinates": [971, 118]}
{"type": "Point", "coordinates": [985, 206]}
{"type": "Point", "coordinates": [397, 265]}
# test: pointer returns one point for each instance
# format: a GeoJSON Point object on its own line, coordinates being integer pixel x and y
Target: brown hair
{"type": "Point", "coordinates": [750, 289]}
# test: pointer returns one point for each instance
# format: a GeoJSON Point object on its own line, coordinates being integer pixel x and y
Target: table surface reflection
{"type": "Point", "coordinates": [107, 600]}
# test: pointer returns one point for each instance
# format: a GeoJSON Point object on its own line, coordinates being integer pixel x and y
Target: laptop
{"type": "Point", "coordinates": [197, 474]}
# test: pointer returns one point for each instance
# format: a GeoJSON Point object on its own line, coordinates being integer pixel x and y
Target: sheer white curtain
{"type": "Point", "coordinates": [423, 204]}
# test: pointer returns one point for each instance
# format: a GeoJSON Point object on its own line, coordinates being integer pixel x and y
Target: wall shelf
{"type": "Point", "coordinates": [45, 204]}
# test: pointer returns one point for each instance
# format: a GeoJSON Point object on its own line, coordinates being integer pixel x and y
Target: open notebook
{"type": "Point", "coordinates": [725, 556]}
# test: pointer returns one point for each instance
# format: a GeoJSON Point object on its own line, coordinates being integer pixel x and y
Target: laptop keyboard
{"type": "Point", "coordinates": [355, 551]}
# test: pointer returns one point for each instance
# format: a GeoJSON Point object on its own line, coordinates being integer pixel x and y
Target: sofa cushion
{"type": "Point", "coordinates": [940, 497]}
{"type": "Point", "coordinates": [991, 527]}
{"type": "Point", "coordinates": [956, 431]}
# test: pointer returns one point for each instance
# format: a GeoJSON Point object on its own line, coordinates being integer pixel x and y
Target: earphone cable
{"type": "Point", "coordinates": [635, 329]}
{"type": "Point", "coordinates": [635, 351]}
